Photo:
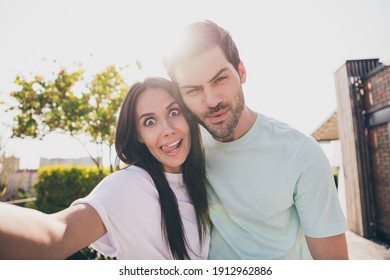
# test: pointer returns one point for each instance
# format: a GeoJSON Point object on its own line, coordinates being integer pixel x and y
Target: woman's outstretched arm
{"type": "Point", "coordinates": [30, 234]}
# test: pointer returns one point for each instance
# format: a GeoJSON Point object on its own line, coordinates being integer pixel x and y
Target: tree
{"type": "Point", "coordinates": [6, 168]}
{"type": "Point", "coordinates": [71, 105]}
{"type": "Point", "coordinates": [106, 93]}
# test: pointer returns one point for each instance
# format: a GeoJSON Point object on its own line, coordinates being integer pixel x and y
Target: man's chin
{"type": "Point", "coordinates": [219, 133]}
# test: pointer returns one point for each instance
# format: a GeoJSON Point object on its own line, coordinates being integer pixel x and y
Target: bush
{"type": "Point", "coordinates": [59, 186]}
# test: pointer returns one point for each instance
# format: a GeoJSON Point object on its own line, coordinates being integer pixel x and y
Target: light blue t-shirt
{"type": "Point", "coordinates": [267, 190]}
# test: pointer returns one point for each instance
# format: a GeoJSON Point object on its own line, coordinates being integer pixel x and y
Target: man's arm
{"type": "Point", "coordinates": [328, 248]}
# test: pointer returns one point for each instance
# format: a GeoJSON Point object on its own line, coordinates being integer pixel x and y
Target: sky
{"type": "Point", "coordinates": [291, 50]}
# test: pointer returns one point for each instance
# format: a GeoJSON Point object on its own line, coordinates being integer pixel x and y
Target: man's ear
{"type": "Point", "coordinates": [242, 72]}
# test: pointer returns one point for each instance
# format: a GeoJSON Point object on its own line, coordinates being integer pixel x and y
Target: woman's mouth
{"type": "Point", "coordinates": [172, 147]}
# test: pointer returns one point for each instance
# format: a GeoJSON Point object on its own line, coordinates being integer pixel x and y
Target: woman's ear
{"type": "Point", "coordinates": [140, 140]}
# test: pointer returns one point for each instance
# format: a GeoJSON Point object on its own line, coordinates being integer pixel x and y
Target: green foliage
{"type": "Point", "coordinates": [21, 194]}
{"type": "Point", "coordinates": [106, 93]}
{"type": "Point", "coordinates": [59, 186]}
{"type": "Point", "coordinates": [88, 253]}
{"type": "Point", "coordinates": [7, 167]}
{"type": "Point", "coordinates": [3, 191]}
{"type": "Point", "coordinates": [46, 106]}
{"type": "Point", "coordinates": [335, 171]}
{"type": "Point", "coordinates": [71, 105]}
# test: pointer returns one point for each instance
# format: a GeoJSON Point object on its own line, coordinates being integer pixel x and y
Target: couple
{"type": "Point", "coordinates": [270, 191]}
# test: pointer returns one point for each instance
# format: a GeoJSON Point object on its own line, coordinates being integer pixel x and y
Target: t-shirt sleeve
{"type": "Point", "coordinates": [101, 200]}
{"type": "Point", "coordinates": [315, 193]}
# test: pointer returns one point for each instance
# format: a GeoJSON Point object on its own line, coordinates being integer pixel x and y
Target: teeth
{"type": "Point", "coordinates": [171, 147]}
{"type": "Point", "coordinates": [174, 144]}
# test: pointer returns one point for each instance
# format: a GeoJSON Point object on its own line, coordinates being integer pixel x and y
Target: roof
{"type": "Point", "coordinates": [328, 130]}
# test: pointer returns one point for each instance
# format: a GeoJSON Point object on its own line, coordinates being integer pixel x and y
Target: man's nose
{"type": "Point", "coordinates": [212, 98]}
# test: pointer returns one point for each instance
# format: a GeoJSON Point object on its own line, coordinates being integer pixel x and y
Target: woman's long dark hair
{"type": "Point", "coordinates": [130, 151]}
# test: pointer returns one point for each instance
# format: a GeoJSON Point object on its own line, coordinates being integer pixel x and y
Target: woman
{"type": "Point", "coordinates": [156, 208]}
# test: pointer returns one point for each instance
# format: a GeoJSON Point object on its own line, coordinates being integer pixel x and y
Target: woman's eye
{"type": "Point", "coordinates": [174, 112]}
{"type": "Point", "coordinates": [149, 122]}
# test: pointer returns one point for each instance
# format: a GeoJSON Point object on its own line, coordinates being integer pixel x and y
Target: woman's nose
{"type": "Point", "coordinates": [168, 129]}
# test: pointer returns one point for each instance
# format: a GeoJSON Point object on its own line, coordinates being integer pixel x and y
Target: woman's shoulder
{"type": "Point", "coordinates": [127, 180]}
{"type": "Point", "coordinates": [131, 173]}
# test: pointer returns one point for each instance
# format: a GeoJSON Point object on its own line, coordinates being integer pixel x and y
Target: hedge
{"type": "Point", "coordinates": [59, 186]}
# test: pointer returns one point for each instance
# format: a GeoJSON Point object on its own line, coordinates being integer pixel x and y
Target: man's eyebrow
{"type": "Point", "coordinates": [189, 87]}
{"type": "Point", "coordinates": [211, 80]}
{"type": "Point", "coordinates": [218, 73]}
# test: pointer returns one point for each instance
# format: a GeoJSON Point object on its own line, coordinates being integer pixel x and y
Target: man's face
{"type": "Point", "coordinates": [211, 89]}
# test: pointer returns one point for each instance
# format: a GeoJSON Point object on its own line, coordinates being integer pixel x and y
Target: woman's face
{"type": "Point", "coordinates": [161, 126]}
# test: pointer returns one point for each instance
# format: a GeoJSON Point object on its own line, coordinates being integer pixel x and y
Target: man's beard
{"type": "Point", "coordinates": [222, 131]}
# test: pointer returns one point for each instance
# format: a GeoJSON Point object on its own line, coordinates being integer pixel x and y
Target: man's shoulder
{"type": "Point", "coordinates": [282, 136]}
{"type": "Point", "coordinates": [277, 128]}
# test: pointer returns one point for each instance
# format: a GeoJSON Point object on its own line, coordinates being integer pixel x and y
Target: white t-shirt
{"type": "Point", "coordinates": [128, 204]}
{"type": "Point", "coordinates": [268, 189]}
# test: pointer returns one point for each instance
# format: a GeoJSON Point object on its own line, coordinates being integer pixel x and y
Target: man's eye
{"type": "Point", "coordinates": [220, 79]}
{"type": "Point", "coordinates": [174, 112]}
{"type": "Point", "coordinates": [191, 91]}
{"type": "Point", "coordinates": [149, 122]}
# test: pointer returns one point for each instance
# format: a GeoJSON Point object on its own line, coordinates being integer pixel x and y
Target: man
{"type": "Point", "coordinates": [272, 194]}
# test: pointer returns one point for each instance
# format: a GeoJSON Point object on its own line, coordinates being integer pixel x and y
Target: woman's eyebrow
{"type": "Point", "coordinates": [171, 104]}
{"type": "Point", "coordinates": [145, 115]}
{"type": "Point", "coordinates": [151, 114]}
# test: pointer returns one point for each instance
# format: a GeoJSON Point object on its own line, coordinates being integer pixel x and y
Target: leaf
{"type": "Point", "coordinates": [4, 192]}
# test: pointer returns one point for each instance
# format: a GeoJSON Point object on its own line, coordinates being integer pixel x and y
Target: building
{"type": "Point", "coordinates": [15, 179]}
{"type": "Point", "coordinates": [24, 179]}
{"type": "Point", "coordinates": [362, 124]}
{"type": "Point", "coordinates": [85, 161]}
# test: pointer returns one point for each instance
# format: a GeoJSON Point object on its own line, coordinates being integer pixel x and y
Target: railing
{"type": "Point", "coordinates": [20, 201]}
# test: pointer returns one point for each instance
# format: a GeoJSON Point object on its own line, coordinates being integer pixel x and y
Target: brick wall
{"type": "Point", "coordinates": [377, 90]}
{"type": "Point", "coordinates": [376, 97]}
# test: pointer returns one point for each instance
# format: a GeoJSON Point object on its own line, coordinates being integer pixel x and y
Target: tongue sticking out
{"type": "Point", "coordinates": [170, 148]}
